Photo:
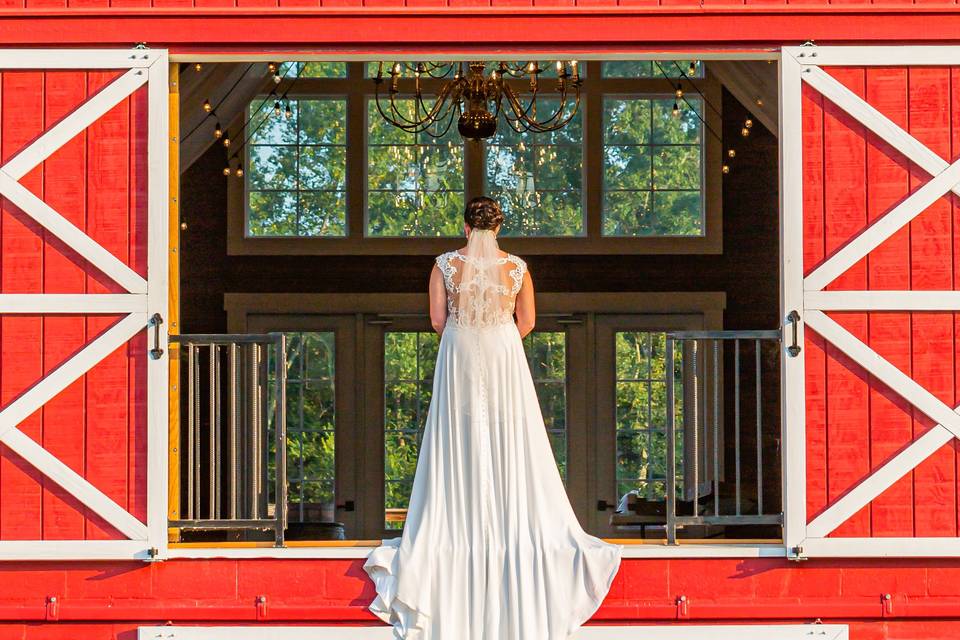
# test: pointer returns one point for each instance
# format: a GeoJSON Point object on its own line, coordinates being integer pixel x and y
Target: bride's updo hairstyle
{"type": "Point", "coordinates": [483, 213]}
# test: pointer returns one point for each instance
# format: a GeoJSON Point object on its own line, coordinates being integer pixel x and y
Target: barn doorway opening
{"type": "Point", "coordinates": [307, 228]}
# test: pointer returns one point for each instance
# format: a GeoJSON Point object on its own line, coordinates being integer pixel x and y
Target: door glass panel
{"type": "Point", "coordinates": [641, 413]}
{"type": "Point", "coordinates": [547, 356]}
{"type": "Point", "coordinates": [311, 420]}
{"type": "Point", "coordinates": [409, 358]}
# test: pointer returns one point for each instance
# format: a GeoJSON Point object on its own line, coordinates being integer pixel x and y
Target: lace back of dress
{"type": "Point", "coordinates": [481, 285]}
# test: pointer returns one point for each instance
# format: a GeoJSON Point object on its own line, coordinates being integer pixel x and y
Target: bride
{"type": "Point", "coordinates": [491, 548]}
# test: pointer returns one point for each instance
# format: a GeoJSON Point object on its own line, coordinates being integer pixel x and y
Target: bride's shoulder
{"type": "Point", "coordinates": [517, 260]}
{"type": "Point", "coordinates": [443, 261]}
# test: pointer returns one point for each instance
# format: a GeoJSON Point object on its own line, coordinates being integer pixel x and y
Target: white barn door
{"type": "Point", "coordinates": [870, 276]}
{"type": "Point", "coordinates": [83, 299]}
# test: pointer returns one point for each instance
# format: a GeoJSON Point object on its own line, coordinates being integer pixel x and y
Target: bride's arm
{"type": "Point", "coordinates": [525, 309]}
{"type": "Point", "coordinates": [438, 300]}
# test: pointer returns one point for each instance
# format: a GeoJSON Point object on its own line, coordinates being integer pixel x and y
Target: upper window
{"type": "Point", "coordinates": [414, 181]}
{"type": "Point", "coordinates": [296, 168]}
{"type": "Point", "coordinates": [633, 164]}
{"type": "Point", "coordinates": [652, 161]}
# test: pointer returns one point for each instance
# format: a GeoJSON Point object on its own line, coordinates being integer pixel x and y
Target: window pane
{"type": "Point", "coordinates": [546, 355]}
{"type": "Point", "coordinates": [409, 358]}
{"type": "Point", "coordinates": [652, 69]}
{"type": "Point", "coordinates": [304, 156]}
{"type": "Point", "coordinates": [313, 69]}
{"type": "Point", "coordinates": [311, 425]}
{"type": "Point", "coordinates": [538, 178]}
{"type": "Point", "coordinates": [414, 181]}
{"type": "Point", "coordinates": [641, 413]}
{"type": "Point", "coordinates": [548, 68]}
{"type": "Point", "coordinates": [653, 167]}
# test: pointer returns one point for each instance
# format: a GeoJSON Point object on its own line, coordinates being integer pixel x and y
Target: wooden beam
{"type": "Point", "coordinates": [754, 84]}
{"type": "Point", "coordinates": [229, 87]}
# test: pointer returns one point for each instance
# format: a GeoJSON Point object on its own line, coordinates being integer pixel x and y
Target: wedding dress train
{"type": "Point", "coordinates": [491, 548]}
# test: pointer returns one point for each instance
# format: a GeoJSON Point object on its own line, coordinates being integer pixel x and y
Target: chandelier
{"type": "Point", "coordinates": [475, 97]}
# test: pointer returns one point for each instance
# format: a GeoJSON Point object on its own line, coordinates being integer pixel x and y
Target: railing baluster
{"type": "Point", "coordinates": [695, 456]}
{"type": "Point", "coordinates": [196, 439]}
{"type": "Point", "coordinates": [759, 394]}
{"type": "Point", "coordinates": [716, 427]}
{"type": "Point", "coordinates": [736, 419]}
{"type": "Point", "coordinates": [191, 421]}
{"type": "Point", "coordinates": [232, 433]}
{"type": "Point", "coordinates": [671, 480]}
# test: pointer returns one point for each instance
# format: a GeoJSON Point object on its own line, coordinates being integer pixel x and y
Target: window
{"type": "Point", "coordinates": [626, 175]}
{"type": "Point", "coordinates": [641, 413]}
{"type": "Point", "coordinates": [296, 168]}
{"type": "Point", "coordinates": [546, 355]}
{"type": "Point", "coordinates": [652, 157]}
{"type": "Point", "coordinates": [538, 178]}
{"type": "Point", "coordinates": [414, 181]}
{"type": "Point", "coordinates": [409, 358]}
{"type": "Point", "coordinates": [311, 413]}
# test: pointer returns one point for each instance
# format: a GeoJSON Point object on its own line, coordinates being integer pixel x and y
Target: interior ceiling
{"type": "Point", "coordinates": [231, 86]}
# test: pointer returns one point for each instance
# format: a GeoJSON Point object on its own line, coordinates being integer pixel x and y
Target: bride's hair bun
{"type": "Point", "coordinates": [483, 213]}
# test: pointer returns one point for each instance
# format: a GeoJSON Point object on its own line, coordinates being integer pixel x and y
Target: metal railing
{"type": "Point", "coordinates": [708, 496]}
{"type": "Point", "coordinates": [234, 398]}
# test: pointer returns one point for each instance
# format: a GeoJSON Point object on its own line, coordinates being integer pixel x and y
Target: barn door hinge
{"type": "Point", "coordinates": [261, 607]}
{"type": "Point", "coordinates": [796, 554]}
{"type": "Point", "coordinates": [683, 607]}
{"type": "Point", "coordinates": [886, 600]}
{"type": "Point", "coordinates": [52, 612]}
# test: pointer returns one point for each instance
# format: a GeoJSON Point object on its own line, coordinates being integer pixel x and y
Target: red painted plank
{"type": "Point", "coordinates": [889, 333]}
{"type": "Point", "coordinates": [108, 204]}
{"type": "Point", "coordinates": [813, 254]}
{"type": "Point", "coordinates": [931, 244]}
{"type": "Point", "coordinates": [848, 410]}
{"type": "Point", "coordinates": [21, 252]}
{"type": "Point", "coordinates": [64, 416]}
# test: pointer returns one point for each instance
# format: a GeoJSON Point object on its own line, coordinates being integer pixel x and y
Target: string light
{"type": "Point", "coordinates": [239, 171]}
{"type": "Point", "coordinates": [676, 109]}
{"type": "Point", "coordinates": [226, 171]}
{"type": "Point", "coordinates": [197, 67]}
{"type": "Point", "coordinates": [211, 110]}
{"type": "Point", "coordinates": [692, 69]}
{"type": "Point", "coordinates": [207, 106]}
{"type": "Point", "coordinates": [726, 169]}
{"type": "Point", "coordinates": [218, 131]}
{"type": "Point", "coordinates": [748, 123]}
{"type": "Point", "coordinates": [759, 101]}
{"type": "Point", "coordinates": [731, 153]}
{"type": "Point", "coordinates": [287, 112]}
{"type": "Point", "coordinates": [272, 67]}
{"type": "Point", "coordinates": [679, 92]}
{"type": "Point", "coordinates": [276, 108]}
{"type": "Point", "coordinates": [226, 142]}
{"type": "Point", "coordinates": [745, 132]}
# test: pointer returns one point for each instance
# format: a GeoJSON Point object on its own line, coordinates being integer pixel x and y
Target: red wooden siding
{"type": "Point", "coordinates": [97, 426]}
{"type": "Point", "coordinates": [855, 424]}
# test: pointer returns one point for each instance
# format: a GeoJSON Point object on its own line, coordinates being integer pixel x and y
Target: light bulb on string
{"type": "Point", "coordinates": [676, 109]}
{"type": "Point", "coordinates": [272, 67]}
{"type": "Point", "coordinates": [239, 171]}
{"type": "Point", "coordinates": [197, 67]}
{"type": "Point", "coordinates": [217, 131]}
{"type": "Point", "coordinates": [731, 153]}
{"type": "Point", "coordinates": [692, 69]}
{"type": "Point", "coordinates": [207, 106]}
{"type": "Point", "coordinates": [226, 171]}
{"type": "Point", "coordinates": [226, 142]}
{"type": "Point", "coordinates": [679, 92]}
{"type": "Point", "coordinates": [726, 169]}
{"type": "Point", "coordinates": [287, 112]}
{"type": "Point", "coordinates": [745, 132]}
{"type": "Point", "coordinates": [277, 109]}
{"type": "Point", "coordinates": [748, 123]}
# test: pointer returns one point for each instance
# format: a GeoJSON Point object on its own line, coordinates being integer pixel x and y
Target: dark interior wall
{"type": "Point", "coordinates": [747, 270]}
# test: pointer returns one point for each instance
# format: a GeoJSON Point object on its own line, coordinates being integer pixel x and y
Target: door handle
{"type": "Point", "coordinates": [155, 321]}
{"type": "Point", "coordinates": [794, 320]}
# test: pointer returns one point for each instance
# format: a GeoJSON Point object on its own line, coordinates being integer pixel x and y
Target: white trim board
{"type": "Point", "coordinates": [589, 632]}
{"type": "Point", "coordinates": [641, 551]}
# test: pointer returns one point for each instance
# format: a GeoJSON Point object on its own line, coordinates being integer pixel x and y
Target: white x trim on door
{"type": "Point", "coordinates": [143, 298]}
{"type": "Point", "coordinates": [804, 64]}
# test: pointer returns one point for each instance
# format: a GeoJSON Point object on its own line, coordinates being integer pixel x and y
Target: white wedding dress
{"type": "Point", "coordinates": [491, 548]}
